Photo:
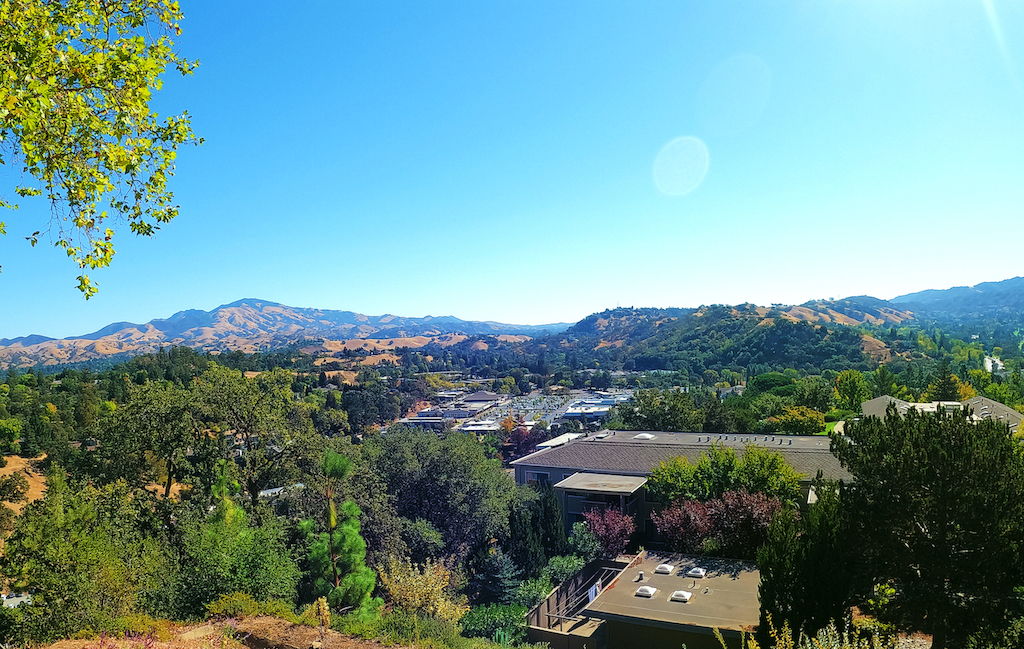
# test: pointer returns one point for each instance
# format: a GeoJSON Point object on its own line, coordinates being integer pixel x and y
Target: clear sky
{"type": "Point", "coordinates": [536, 161]}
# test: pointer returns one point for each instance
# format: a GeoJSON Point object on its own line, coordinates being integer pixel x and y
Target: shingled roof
{"type": "Point", "coordinates": [620, 452]}
{"type": "Point", "coordinates": [981, 407]}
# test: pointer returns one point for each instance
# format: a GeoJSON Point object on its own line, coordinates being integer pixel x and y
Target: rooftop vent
{"type": "Point", "coordinates": [646, 591]}
{"type": "Point", "coordinates": [643, 436]}
{"type": "Point", "coordinates": [697, 573]}
{"type": "Point", "coordinates": [665, 569]}
{"type": "Point", "coordinates": [681, 596]}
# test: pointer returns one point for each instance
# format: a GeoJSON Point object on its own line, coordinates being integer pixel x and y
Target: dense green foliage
{"type": "Point", "coordinates": [76, 82]}
{"type": "Point", "coordinates": [938, 507]}
{"type": "Point", "coordinates": [721, 469]}
{"type": "Point", "coordinates": [806, 565]}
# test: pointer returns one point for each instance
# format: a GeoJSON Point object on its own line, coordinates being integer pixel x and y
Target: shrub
{"type": "Point", "coordinates": [402, 627]}
{"type": "Point", "coordinates": [742, 520]}
{"type": "Point", "coordinates": [735, 524]}
{"type": "Point", "coordinates": [612, 528]}
{"type": "Point", "coordinates": [797, 420]}
{"type": "Point", "coordinates": [139, 624]}
{"type": "Point", "coordinates": [583, 543]}
{"type": "Point", "coordinates": [561, 568]}
{"type": "Point", "coordinates": [245, 605]}
{"type": "Point", "coordinates": [684, 525]}
{"type": "Point", "coordinates": [837, 414]}
{"type": "Point", "coordinates": [489, 620]}
{"type": "Point", "coordinates": [532, 592]}
{"type": "Point", "coordinates": [425, 588]}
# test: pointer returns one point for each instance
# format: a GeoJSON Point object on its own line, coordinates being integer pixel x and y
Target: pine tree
{"type": "Point", "coordinates": [337, 556]}
{"type": "Point", "coordinates": [497, 578]}
{"type": "Point", "coordinates": [806, 581]}
{"type": "Point", "coordinates": [937, 509]}
{"type": "Point", "coordinates": [946, 387]}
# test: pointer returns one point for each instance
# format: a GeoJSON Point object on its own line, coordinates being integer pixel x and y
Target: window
{"type": "Point", "coordinates": [537, 477]}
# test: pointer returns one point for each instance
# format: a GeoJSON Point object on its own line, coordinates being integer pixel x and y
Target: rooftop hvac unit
{"type": "Point", "coordinates": [646, 591]}
{"type": "Point", "coordinates": [681, 596]}
{"type": "Point", "coordinates": [697, 573]}
{"type": "Point", "coordinates": [665, 569]}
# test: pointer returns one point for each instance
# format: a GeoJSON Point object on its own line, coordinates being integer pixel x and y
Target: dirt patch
{"type": "Point", "coordinates": [377, 359]}
{"type": "Point", "coordinates": [348, 377]}
{"type": "Point", "coordinates": [158, 489]}
{"type": "Point", "coordinates": [511, 338]}
{"type": "Point", "coordinates": [204, 636]}
{"type": "Point", "coordinates": [875, 348]}
{"type": "Point", "coordinates": [274, 633]}
{"type": "Point", "coordinates": [30, 468]}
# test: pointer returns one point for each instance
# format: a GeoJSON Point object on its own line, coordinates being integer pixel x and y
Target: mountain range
{"type": "Point", "coordinates": [247, 325]}
{"type": "Point", "coordinates": [252, 325]}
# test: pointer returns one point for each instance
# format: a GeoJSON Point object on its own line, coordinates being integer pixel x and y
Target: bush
{"type": "Point", "coordinates": [490, 620]}
{"type": "Point", "coordinates": [837, 414]}
{"type": "Point", "coordinates": [427, 588]}
{"type": "Point", "coordinates": [138, 624]}
{"type": "Point", "coordinates": [245, 605]}
{"type": "Point", "coordinates": [583, 542]}
{"type": "Point", "coordinates": [797, 420]}
{"type": "Point", "coordinates": [532, 592]}
{"type": "Point", "coordinates": [561, 568]}
{"type": "Point", "coordinates": [403, 627]}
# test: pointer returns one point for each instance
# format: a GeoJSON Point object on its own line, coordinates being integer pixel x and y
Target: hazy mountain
{"type": "Point", "coordinates": [247, 325]}
{"type": "Point", "coordinates": [986, 299]}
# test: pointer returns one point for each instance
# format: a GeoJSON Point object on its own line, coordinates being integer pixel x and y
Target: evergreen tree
{"type": "Point", "coordinates": [937, 505]}
{"type": "Point", "coordinates": [337, 556]}
{"type": "Point", "coordinates": [497, 578]}
{"type": "Point", "coordinates": [778, 561]}
{"type": "Point", "coordinates": [946, 387]}
{"type": "Point", "coordinates": [806, 581]}
{"type": "Point", "coordinates": [525, 544]}
{"type": "Point", "coordinates": [716, 417]}
{"type": "Point", "coordinates": [552, 526]}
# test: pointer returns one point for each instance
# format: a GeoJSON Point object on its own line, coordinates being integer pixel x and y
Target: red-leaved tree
{"type": "Point", "coordinates": [612, 528]}
{"type": "Point", "coordinates": [684, 525]}
{"type": "Point", "coordinates": [741, 521]}
{"type": "Point", "coordinates": [737, 523]}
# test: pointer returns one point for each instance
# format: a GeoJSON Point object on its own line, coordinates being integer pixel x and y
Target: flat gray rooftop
{"type": "Point", "coordinates": [622, 452]}
{"type": "Point", "coordinates": [725, 599]}
{"type": "Point", "coordinates": [602, 483]}
{"type": "Point", "coordinates": [735, 440]}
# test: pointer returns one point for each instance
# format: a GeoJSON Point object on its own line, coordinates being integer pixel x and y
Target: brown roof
{"type": "Point", "coordinates": [725, 599]}
{"type": "Point", "coordinates": [621, 453]}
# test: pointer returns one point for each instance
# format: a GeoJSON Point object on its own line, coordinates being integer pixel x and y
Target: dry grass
{"type": "Point", "coordinates": [30, 469]}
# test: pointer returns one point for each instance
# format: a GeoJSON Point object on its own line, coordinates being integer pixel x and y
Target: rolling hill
{"type": "Point", "coordinates": [731, 334]}
{"type": "Point", "coordinates": [247, 325]}
{"type": "Point", "coordinates": [981, 300]}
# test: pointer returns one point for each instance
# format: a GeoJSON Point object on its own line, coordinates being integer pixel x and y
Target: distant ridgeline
{"type": "Point", "coordinates": [860, 332]}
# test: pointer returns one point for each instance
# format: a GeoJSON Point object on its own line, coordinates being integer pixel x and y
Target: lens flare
{"type": "Point", "coordinates": [681, 166]}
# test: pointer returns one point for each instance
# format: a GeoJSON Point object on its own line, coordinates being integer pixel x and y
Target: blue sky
{"type": "Point", "coordinates": [514, 161]}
